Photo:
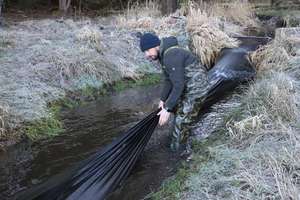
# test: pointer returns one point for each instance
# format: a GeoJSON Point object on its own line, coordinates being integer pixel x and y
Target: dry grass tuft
{"type": "Point", "coordinates": [238, 11]}
{"type": "Point", "coordinates": [267, 104]}
{"type": "Point", "coordinates": [270, 172]}
{"type": "Point", "coordinates": [272, 56]}
{"type": "Point", "coordinates": [3, 123]}
{"type": "Point", "coordinates": [71, 69]}
{"type": "Point", "coordinates": [275, 56]}
{"type": "Point", "coordinates": [210, 24]}
{"type": "Point", "coordinates": [286, 172]}
{"type": "Point", "coordinates": [90, 35]}
{"type": "Point", "coordinates": [139, 15]}
{"type": "Point", "coordinates": [5, 41]}
{"type": "Point", "coordinates": [207, 38]}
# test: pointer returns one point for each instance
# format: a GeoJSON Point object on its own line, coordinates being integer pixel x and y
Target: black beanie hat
{"type": "Point", "coordinates": [148, 41]}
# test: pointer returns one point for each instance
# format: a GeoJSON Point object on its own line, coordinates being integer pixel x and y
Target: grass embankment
{"type": "Point", "coordinates": [255, 154]}
{"type": "Point", "coordinates": [173, 187]}
{"type": "Point", "coordinates": [52, 125]}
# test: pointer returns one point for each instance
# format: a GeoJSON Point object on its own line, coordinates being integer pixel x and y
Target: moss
{"type": "Point", "coordinates": [44, 128]}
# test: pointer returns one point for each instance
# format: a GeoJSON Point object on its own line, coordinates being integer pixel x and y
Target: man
{"type": "Point", "coordinates": [185, 83]}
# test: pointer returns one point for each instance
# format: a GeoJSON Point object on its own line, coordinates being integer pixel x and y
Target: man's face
{"type": "Point", "coordinates": [152, 53]}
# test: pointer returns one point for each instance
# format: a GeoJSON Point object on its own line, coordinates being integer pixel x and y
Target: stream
{"type": "Point", "coordinates": [87, 129]}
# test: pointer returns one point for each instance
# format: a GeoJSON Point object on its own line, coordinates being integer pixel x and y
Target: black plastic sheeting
{"type": "Point", "coordinates": [232, 68]}
{"type": "Point", "coordinates": [96, 177]}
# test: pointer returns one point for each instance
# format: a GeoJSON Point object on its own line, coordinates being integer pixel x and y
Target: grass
{"type": "Point", "coordinates": [237, 11]}
{"type": "Point", "coordinates": [210, 26]}
{"type": "Point", "coordinates": [3, 124]}
{"type": "Point", "coordinates": [170, 190]}
{"type": "Point", "coordinates": [139, 15]}
{"type": "Point", "coordinates": [45, 127]}
{"type": "Point", "coordinates": [255, 155]}
{"type": "Point", "coordinates": [90, 35]}
{"type": "Point", "coordinates": [266, 134]}
{"type": "Point", "coordinates": [207, 38]}
{"type": "Point", "coordinates": [176, 185]}
{"type": "Point", "coordinates": [5, 43]}
{"type": "Point", "coordinates": [65, 56]}
{"type": "Point", "coordinates": [276, 12]}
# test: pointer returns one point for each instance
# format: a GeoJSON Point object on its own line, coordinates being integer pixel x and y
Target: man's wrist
{"type": "Point", "coordinates": [167, 109]}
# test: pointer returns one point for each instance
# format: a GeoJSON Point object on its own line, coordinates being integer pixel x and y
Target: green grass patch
{"type": "Point", "coordinates": [44, 128]}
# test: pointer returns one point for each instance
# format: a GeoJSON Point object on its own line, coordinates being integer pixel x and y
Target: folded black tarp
{"type": "Point", "coordinates": [232, 68]}
{"type": "Point", "coordinates": [96, 177]}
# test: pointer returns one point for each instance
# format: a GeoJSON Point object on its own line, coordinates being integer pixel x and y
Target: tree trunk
{"type": "Point", "coordinates": [169, 6]}
{"type": "Point", "coordinates": [1, 4]}
{"type": "Point", "coordinates": [64, 5]}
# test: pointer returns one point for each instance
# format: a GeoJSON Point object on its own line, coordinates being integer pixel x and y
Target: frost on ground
{"type": "Point", "coordinates": [260, 158]}
{"type": "Point", "coordinates": [42, 59]}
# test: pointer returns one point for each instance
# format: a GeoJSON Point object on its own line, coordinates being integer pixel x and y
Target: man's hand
{"type": "Point", "coordinates": [164, 116]}
{"type": "Point", "coordinates": [161, 104]}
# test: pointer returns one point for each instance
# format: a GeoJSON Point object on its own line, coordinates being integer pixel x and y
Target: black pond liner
{"type": "Point", "coordinates": [103, 172]}
{"type": "Point", "coordinates": [232, 68]}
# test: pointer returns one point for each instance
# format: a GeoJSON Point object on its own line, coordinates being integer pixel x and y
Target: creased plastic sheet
{"type": "Point", "coordinates": [96, 177]}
